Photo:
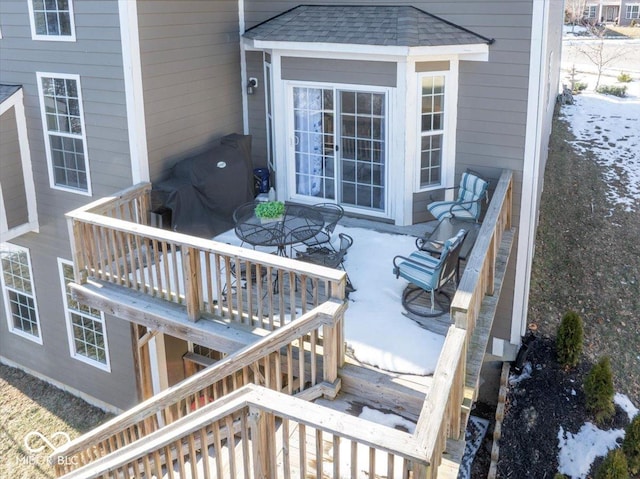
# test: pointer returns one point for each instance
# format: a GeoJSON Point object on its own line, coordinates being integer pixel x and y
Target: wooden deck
{"type": "Point", "coordinates": [285, 348]}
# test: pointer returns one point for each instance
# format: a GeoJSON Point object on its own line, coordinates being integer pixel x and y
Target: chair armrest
{"type": "Point", "coordinates": [396, 265]}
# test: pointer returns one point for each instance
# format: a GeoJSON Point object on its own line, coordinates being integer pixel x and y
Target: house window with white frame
{"type": "Point", "coordinates": [432, 129]}
{"type": "Point", "coordinates": [590, 11]}
{"type": "Point", "coordinates": [633, 11]}
{"type": "Point", "coordinates": [52, 20]}
{"type": "Point", "coordinates": [85, 325]}
{"type": "Point", "coordinates": [63, 124]}
{"type": "Point", "coordinates": [18, 291]}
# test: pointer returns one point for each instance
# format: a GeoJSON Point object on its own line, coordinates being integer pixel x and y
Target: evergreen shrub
{"type": "Point", "coordinates": [569, 339]}
{"type": "Point", "coordinates": [614, 90]}
{"type": "Point", "coordinates": [631, 445]}
{"type": "Point", "coordinates": [598, 390]}
{"type": "Point", "coordinates": [624, 77]}
{"type": "Point", "coordinates": [614, 466]}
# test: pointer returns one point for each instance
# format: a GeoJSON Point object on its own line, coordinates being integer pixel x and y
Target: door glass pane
{"type": "Point", "coordinates": [362, 124]}
{"type": "Point", "coordinates": [314, 142]}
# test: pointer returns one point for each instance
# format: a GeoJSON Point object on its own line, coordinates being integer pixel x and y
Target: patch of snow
{"type": "Point", "coordinates": [386, 419]}
{"type": "Point", "coordinates": [610, 132]}
{"type": "Point", "coordinates": [376, 330]}
{"type": "Point", "coordinates": [525, 374]}
{"type": "Point", "coordinates": [625, 403]}
{"type": "Point", "coordinates": [578, 451]}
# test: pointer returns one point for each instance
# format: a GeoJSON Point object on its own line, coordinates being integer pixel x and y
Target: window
{"type": "Point", "coordinates": [52, 20]}
{"type": "Point", "coordinates": [432, 130]}
{"type": "Point", "coordinates": [590, 11]}
{"type": "Point", "coordinates": [633, 11]}
{"type": "Point", "coordinates": [19, 294]}
{"type": "Point", "coordinates": [63, 124]}
{"type": "Point", "coordinates": [85, 325]}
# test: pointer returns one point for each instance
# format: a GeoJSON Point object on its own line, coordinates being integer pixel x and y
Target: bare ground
{"type": "Point", "coordinates": [587, 259]}
{"type": "Point", "coordinates": [29, 405]}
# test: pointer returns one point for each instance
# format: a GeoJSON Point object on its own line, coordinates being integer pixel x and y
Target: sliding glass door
{"type": "Point", "coordinates": [339, 142]}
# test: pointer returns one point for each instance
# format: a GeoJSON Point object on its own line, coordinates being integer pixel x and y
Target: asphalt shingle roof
{"type": "Point", "coordinates": [7, 90]}
{"type": "Point", "coordinates": [363, 25]}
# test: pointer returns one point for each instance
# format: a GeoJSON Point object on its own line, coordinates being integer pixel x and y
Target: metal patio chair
{"type": "Point", "coordinates": [427, 276]}
{"type": "Point", "coordinates": [471, 191]}
{"type": "Point", "coordinates": [331, 213]}
{"type": "Point", "coordinates": [325, 256]}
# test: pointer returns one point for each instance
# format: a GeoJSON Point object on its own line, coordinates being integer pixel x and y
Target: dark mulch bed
{"type": "Point", "coordinates": [536, 409]}
{"type": "Point", "coordinates": [587, 258]}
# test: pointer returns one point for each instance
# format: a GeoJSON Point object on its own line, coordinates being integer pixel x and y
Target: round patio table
{"type": "Point", "coordinates": [299, 223]}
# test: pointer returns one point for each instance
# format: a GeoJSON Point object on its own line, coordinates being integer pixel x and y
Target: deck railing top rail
{"type": "Point", "coordinates": [327, 314]}
{"type": "Point", "coordinates": [252, 400]}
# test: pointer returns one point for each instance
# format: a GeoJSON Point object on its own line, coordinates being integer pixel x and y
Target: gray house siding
{"type": "Point", "coordinates": [256, 110]}
{"type": "Point", "coordinates": [492, 99]}
{"type": "Point", "coordinates": [339, 71]}
{"type": "Point", "coordinates": [12, 180]}
{"type": "Point", "coordinates": [96, 57]}
{"type": "Point", "coordinates": [190, 59]}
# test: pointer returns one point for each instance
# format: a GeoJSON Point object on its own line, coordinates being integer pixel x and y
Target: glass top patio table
{"type": "Point", "coordinates": [299, 223]}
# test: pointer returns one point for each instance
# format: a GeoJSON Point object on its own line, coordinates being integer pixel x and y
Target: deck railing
{"type": "Point", "coordinates": [248, 424]}
{"type": "Point", "coordinates": [111, 242]}
{"type": "Point", "coordinates": [441, 416]}
{"type": "Point", "coordinates": [295, 359]}
{"type": "Point", "coordinates": [245, 432]}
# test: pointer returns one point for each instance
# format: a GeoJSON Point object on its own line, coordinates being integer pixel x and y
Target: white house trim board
{"type": "Point", "coordinates": [16, 101]}
{"type": "Point", "coordinates": [132, 70]}
{"type": "Point", "coordinates": [243, 70]}
{"type": "Point", "coordinates": [475, 52]}
{"type": "Point", "coordinates": [530, 177]}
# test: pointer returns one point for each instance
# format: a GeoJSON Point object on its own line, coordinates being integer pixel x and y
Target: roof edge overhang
{"type": "Point", "coordinates": [470, 52]}
{"type": "Point", "coordinates": [11, 100]}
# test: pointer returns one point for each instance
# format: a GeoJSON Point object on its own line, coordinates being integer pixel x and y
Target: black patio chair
{"type": "Point", "coordinates": [332, 258]}
{"type": "Point", "coordinates": [428, 275]}
{"type": "Point", "coordinates": [331, 214]}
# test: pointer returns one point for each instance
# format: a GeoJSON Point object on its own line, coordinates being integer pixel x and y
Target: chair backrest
{"type": "Point", "coordinates": [331, 214]}
{"type": "Point", "coordinates": [472, 188]}
{"type": "Point", "coordinates": [448, 264]}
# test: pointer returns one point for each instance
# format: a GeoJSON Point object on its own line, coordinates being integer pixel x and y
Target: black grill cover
{"type": "Point", "coordinates": [202, 191]}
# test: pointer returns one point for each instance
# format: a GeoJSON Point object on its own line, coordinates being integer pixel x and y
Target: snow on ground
{"type": "Point", "coordinates": [625, 403]}
{"type": "Point", "coordinates": [578, 451]}
{"type": "Point", "coordinates": [608, 127]}
{"type": "Point", "coordinates": [376, 331]}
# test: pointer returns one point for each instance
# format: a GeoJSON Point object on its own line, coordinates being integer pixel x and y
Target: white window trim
{"type": "Point", "coordinates": [45, 132]}
{"type": "Point", "coordinates": [67, 314]}
{"type": "Point", "coordinates": [591, 9]}
{"type": "Point", "coordinates": [629, 11]}
{"type": "Point", "coordinates": [288, 162]}
{"type": "Point", "coordinates": [52, 38]}
{"type": "Point", "coordinates": [448, 136]}
{"type": "Point", "coordinates": [9, 315]}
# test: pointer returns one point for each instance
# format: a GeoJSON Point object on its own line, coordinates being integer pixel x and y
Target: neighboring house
{"type": "Point", "coordinates": [620, 12]}
{"type": "Point", "coordinates": [103, 95]}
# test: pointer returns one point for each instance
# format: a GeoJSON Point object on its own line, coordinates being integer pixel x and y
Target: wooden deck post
{"type": "Point", "coordinates": [193, 283]}
{"type": "Point", "coordinates": [262, 426]}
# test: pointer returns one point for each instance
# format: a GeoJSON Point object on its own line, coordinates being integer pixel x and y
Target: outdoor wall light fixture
{"type": "Point", "coordinates": [252, 85]}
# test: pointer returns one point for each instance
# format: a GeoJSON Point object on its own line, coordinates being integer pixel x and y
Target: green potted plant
{"type": "Point", "coordinates": [269, 211]}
